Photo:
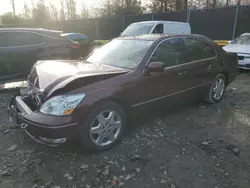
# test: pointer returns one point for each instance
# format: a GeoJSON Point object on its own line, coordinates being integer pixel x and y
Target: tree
{"type": "Point", "coordinates": [8, 18]}
{"type": "Point", "coordinates": [71, 9]}
{"type": "Point", "coordinates": [62, 11]}
{"type": "Point", "coordinates": [53, 12]}
{"type": "Point", "coordinates": [157, 5]}
{"type": "Point", "coordinates": [129, 7]}
{"type": "Point", "coordinates": [214, 3]}
{"type": "Point", "coordinates": [185, 4]}
{"type": "Point", "coordinates": [106, 8]}
{"type": "Point", "coordinates": [13, 7]}
{"type": "Point", "coordinates": [27, 14]}
{"type": "Point", "coordinates": [40, 13]}
{"type": "Point", "coordinates": [177, 5]}
{"type": "Point", "coordinates": [84, 13]}
{"type": "Point", "coordinates": [167, 5]}
{"type": "Point", "coordinates": [117, 7]}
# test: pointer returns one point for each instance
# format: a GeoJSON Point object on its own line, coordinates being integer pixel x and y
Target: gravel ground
{"type": "Point", "coordinates": [198, 146]}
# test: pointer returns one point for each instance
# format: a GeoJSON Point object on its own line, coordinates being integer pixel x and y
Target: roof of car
{"type": "Point", "coordinates": [65, 34]}
{"type": "Point", "coordinates": [29, 29]}
{"type": "Point", "coordinates": [161, 21]}
{"type": "Point", "coordinates": [72, 34]}
{"type": "Point", "coordinates": [154, 37]}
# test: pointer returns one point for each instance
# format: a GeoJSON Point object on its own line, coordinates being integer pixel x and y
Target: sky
{"type": "Point", "coordinates": [6, 5]}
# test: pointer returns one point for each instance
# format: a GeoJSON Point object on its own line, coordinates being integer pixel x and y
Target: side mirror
{"type": "Point", "coordinates": [155, 67]}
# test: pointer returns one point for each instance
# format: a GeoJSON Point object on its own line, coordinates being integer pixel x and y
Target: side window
{"type": "Point", "coordinates": [198, 49]}
{"type": "Point", "coordinates": [170, 52]}
{"type": "Point", "coordinates": [5, 39]}
{"type": "Point", "coordinates": [28, 38]}
{"type": "Point", "coordinates": [158, 29]}
{"type": "Point", "coordinates": [12, 39]}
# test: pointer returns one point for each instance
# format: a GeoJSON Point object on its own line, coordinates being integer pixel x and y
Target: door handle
{"type": "Point", "coordinates": [223, 62]}
{"type": "Point", "coordinates": [210, 67]}
{"type": "Point", "coordinates": [183, 73]}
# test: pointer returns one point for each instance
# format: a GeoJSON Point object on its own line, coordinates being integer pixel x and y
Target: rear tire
{"type": "Point", "coordinates": [217, 89]}
{"type": "Point", "coordinates": [102, 130]}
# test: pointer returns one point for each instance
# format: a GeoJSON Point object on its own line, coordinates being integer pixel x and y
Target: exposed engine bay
{"type": "Point", "coordinates": [32, 97]}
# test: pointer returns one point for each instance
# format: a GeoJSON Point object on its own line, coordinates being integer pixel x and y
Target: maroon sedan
{"type": "Point", "coordinates": [92, 99]}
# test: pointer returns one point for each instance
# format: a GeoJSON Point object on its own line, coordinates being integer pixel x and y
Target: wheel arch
{"type": "Point", "coordinates": [123, 105]}
{"type": "Point", "coordinates": [226, 76]}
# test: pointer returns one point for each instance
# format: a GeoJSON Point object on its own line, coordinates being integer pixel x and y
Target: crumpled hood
{"type": "Point", "coordinates": [237, 48]}
{"type": "Point", "coordinates": [45, 72]}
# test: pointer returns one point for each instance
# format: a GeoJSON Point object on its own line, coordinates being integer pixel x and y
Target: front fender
{"type": "Point", "coordinates": [69, 83]}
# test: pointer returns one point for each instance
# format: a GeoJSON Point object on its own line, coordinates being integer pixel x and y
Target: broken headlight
{"type": "Point", "coordinates": [61, 105]}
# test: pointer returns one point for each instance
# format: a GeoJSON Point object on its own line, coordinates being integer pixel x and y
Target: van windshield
{"type": "Point", "coordinates": [137, 29]}
{"type": "Point", "coordinates": [244, 40]}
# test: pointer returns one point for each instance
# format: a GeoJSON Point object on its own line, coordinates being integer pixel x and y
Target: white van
{"type": "Point", "coordinates": [157, 27]}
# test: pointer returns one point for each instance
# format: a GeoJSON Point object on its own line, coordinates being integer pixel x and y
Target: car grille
{"type": "Point", "coordinates": [241, 57]}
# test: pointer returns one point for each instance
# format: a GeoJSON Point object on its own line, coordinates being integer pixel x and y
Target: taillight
{"type": "Point", "coordinates": [75, 46]}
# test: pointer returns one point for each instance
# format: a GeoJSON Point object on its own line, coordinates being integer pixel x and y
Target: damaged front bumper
{"type": "Point", "coordinates": [45, 129]}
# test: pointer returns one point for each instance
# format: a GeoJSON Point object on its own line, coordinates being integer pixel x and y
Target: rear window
{"type": "Point", "coordinates": [12, 39]}
{"type": "Point", "coordinates": [197, 49]}
{"type": "Point", "coordinates": [244, 40]}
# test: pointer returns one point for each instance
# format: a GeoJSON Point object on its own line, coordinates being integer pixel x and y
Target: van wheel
{"type": "Point", "coordinates": [103, 127]}
{"type": "Point", "coordinates": [217, 89]}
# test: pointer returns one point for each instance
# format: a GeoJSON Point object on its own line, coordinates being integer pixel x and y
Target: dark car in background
{"type": "Point", "coordinates": [92, 99]}
{"type": "Point", "coordinates": [20, 48]}
{"type": "Point", "coordinates": [86, 43]}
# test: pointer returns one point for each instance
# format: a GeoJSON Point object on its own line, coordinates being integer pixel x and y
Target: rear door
{"type": "Point", "coordinates": [201, 60]}
{"type": "Point", "coordinates": [23, 52]}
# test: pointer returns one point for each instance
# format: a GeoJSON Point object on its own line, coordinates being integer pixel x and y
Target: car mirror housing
{"type": "Point", "coordinates": [155, 67]}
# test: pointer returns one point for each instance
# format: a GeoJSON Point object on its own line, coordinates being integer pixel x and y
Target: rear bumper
{"type": "Point", "coordinates": [45, 129]}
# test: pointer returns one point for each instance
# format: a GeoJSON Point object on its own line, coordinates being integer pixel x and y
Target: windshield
{"type": "Point", "coordinates": [121, 53]}
{"type": "Point", "coordinates": [245, 40]}
{"type": "Point", "coordinates": [137, 29]}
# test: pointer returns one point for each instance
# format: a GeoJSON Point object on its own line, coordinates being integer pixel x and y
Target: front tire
{"type": "Point", "coordinates": [217, 89]}
{"type": "Point", "coordinates": [103, 127]}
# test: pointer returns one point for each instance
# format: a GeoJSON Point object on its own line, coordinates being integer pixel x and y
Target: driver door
{"type": "Point", "coordinates": [167, 87]}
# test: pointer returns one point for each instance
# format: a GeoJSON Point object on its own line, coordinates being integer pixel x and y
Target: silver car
{"type": "Point", "coordinates": [241, 46]}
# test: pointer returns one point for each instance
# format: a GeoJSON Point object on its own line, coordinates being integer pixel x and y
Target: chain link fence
{"type": "Point", "coordinates": [218, 23]}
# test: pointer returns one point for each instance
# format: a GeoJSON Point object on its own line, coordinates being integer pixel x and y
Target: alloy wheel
{"type": "Point", "coordinates": [218, 88]}
{"type": "Point", "coordinates": [105, 128]}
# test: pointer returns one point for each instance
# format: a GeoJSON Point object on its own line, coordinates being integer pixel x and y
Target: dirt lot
{"type": "Point", "coordinates": [199, 146]}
